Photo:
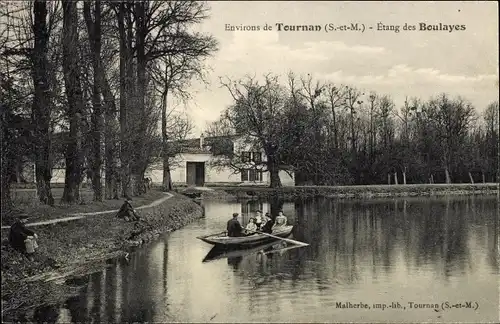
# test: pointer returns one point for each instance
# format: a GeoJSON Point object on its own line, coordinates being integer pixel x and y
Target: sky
{"type": "Point", "coordinates": [408, 63]}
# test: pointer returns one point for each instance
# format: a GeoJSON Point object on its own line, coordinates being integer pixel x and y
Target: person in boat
{"type": "Point", "coordinates": [234, 228]}
{"type": "Point", "coordinates": [267, 224]}
{"type": "Point", "coordinates": [280, 220]}
{"type": "Point", "coordinates": [258, 219]}
{"type": "Point", "coordinates": [22, 238]}
{"type": "Point", "coordinates": [251, 227]}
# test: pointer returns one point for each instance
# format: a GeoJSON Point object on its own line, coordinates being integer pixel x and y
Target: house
{"type": "Point", "coordinates": [196, 162]}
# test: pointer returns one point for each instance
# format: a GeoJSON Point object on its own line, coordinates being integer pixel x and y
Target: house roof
{"type": "Point", "coordinates": [207, 141]}
{"type": "Point", "coordinates": [192, 145]}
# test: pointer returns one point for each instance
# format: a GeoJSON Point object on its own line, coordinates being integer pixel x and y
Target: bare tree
{"type": "Point", "coordinates": [72, 80]}
{"type": "Point", "coordinates": [451, 119]}
{"type": "Point", "coordinates": [258, 116]}
{"type": "Point", "coordinates": [353, 102]}
{"type": "Point", "coordinates": [94, 35]}
{"type": "Point", "coordinates": [174, 75]}
{"type": "Point", "coordinates": [492, 122]}
{"type": "Point", "coordinates": [336, 99]}
{"type": "Point", "coordinates": [126, 97]}
{"type": "Point", "coordinates": [178, 128]}
{"type": "Point", "coordinates": [41, 103]}
{"type": "Point", "coordinates": [161, 31]}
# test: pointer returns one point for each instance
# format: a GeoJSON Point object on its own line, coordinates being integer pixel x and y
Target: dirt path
{"type": "Point", "coordinates": [201, 188]}
{"type": "Point", "coordinates": [83, 215]}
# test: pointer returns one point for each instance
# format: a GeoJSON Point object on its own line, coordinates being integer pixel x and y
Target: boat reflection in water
{"type": "Point", "coordinates": [235, 255]}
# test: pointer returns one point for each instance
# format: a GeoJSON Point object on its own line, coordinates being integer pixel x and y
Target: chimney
{"type": "Point", "coordinates": [201, 141]}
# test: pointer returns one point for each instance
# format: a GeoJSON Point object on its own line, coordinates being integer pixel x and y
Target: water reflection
{"type": "Point", "coordinates": [235, 254]}
{"type": "Point", "coordinates": [439, 234]}
{"type": "Point", "coordinates": [421, 250]}
{"type": "Point", "coordinates": [234, 262]}
{"type": "Point", "coordinates": [115, 294]}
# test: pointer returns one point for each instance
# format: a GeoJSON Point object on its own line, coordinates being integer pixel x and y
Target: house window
{"type": "Point", "coordinates": [244, 175]}
{"type": "Point", "coordinates": [245, 157]}
{"type": "Point", "coordinates": [251, 207]}
{"type": "Point", "coordinates": [257, 157]}
{"type": "Point", "coordinates": [251, 156]}
{"type": "Point", "coordinates": [252, 175]}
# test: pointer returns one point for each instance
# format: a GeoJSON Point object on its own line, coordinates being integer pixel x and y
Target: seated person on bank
{"type": "Point", "coordinates": [280, 220]}
{"type": "Point", "coordinates": [234, 228]}
{"type": "Point", "coordinates": [22, 238]}
{"type": "Point", "coordinates": [127, 212]}
{"type": "Point", "coordinates": [267, 224]}
{"type": "Point", "coordinates": [251, 227]}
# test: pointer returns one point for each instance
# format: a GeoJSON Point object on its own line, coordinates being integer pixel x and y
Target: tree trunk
{"type": "Point", "coordinates": [41, 105]}
{"type": "Point", "coordinates": [5, 200]}
{"type": "Point", "coordinates": [74, 94]}
{"type": "Point", "coordinates": [137, 183]}
{"type": "Point", "coordinates": [275, 181]}
{"type": "Point", "coordinates": [275, 206]}
{"type": "Point", "coordinates": [125, 66]}
{"type": "Point", "coordinates": [94, 32]}
{"type": "Point", "coordinates": [372, 139]}
{"type": "Point", "coordinates": [388, 178]}
{"type": "Point", "coordinates": [471, 179]}
{"type": "Point", "coordinates": [447, 174]}
{"type": "Point", "coordinates": [7, 159]}
{"type": "Point", "coordinates": [432, 179]}
{"type": "Point", "coordinates": [404, 176]}
{"type": "Point", "coordinates": [335, 130]}
{"type": "Point", "coordinates": [484, 178]}
{"type": "Point", "coordinates": [17, 168]}
{"type": "Point", "coordinates": [140, 156]}
{"type": "Point", "coordinates": [110, 143]}
{"type": "Point", "coordinates": [353, 140]}
{"type": "Point", "coordinates": [396, 178]}
{"type": "Point", "coordinates": [133, 184]}
{"type": "Point", "coordinates": [275, 178]}
{"type": "Point", "coordinates": [167, 177]}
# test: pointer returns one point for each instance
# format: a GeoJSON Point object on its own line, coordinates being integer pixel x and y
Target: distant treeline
{"type": "Point", "coordinates": [336, 134]}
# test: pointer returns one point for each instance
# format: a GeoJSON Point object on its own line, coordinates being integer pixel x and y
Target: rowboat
{"type": "Point", "coordinates": [221, 239]}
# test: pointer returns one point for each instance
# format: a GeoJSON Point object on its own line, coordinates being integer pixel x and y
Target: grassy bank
{"type": "Point", "coordinates": [27, 204]}
{"type": "Point", "coordinates": [367, 191]}
{"type": "Point", "coordinates": [76, 247]}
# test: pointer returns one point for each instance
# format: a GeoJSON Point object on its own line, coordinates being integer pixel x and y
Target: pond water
{"type": "Point", "coordinates": [385, 254]}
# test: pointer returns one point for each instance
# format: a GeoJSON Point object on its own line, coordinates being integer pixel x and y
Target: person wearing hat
{"type": "Point", "coordinates": [234, 227]}
{"type": "Point", "coordinates": [258, 219]}
{"type": "Point", "coordinates": [267, 224]}
{"type": "Point", "coordinates": [22, 238]}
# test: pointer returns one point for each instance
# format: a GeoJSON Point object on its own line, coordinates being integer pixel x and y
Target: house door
{"type": "Point", "coordinates": [195, 173]}
{"type": "Point", "coordinates": [200, 174]}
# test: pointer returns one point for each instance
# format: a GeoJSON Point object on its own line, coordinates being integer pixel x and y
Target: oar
{"type": "Point", "coordinates": [281, 238]}
{"type": "Point", "coordinates": [204, 236]}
